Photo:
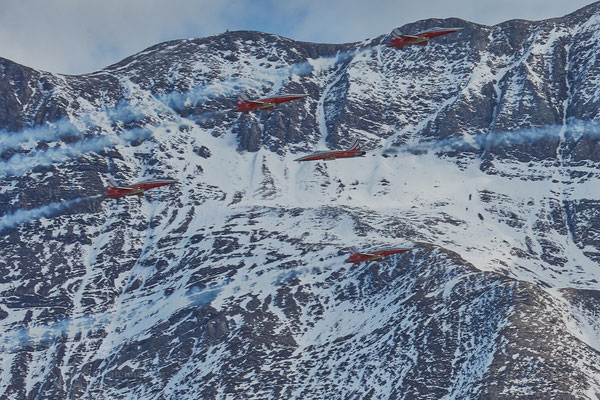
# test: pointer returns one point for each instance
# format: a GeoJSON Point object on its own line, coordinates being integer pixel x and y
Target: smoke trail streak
{"type": "Point", "coordinates": [206, 116]}
{"type": "Point", "coordinates": [213, 91]}
{"type": "Point", "coordinates": [123, 112]}
{"type": "Point", "coordinates": [21, 217]}
{"type": "Point", "coordinates": [20, 163]}
{"type": "Point", "coordinates": [18, 337]}
{"type": "Point", "coordinates": [572, 132]}
{"type": "Point", "coordinates": [35, 335]}
{"type": "Point", "coordinates": [50, 132]}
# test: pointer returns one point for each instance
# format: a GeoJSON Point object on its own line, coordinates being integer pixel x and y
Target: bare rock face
{"type": "Point", "coordinates": [483, 158]}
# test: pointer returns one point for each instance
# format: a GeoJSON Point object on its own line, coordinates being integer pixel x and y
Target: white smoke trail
{"type": "Point", "coordinates": [40, 334]}
{"type": "Point", "coordinates": [206, 116]}
{"type": "Point", "coordinates": [50, 132]}
{"type": "Point", "coordinates": [35, 335]}
{"type": "Point", "coordinates": [124, 112]}
{"type": "Point", "coordinates": [20, 217]}
{"type": "Point", "coordinates": [571, 133]}
{"type": "Point", "coordinates": [21, 163]}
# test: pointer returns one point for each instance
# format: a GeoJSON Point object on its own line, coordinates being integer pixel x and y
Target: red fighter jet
{"type": "Point", "coordinates": [357, 258]}
{"type": "Point", "coordinates": [419, 39]}
{"type": "Point", "coordinates": [244, 105]}
{"type": "Point", "coordinates": [353, 151]}
{"type": "Point", "coordinates": [137, 189]}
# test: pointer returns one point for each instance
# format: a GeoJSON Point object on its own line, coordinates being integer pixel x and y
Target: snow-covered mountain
{"type": "Point", "coordinates": [483, 157]}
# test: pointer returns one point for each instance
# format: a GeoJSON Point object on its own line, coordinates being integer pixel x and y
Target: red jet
{"type": "Point", "coordinates": [419, 39]}
{"type": "Point", "coordinates": [244, 105]}
{"type": "Point", "coordinates": [137, 189]}
{"type": "Point", "coordinates": [357, 258]}
{"type": "Point", "coordinates": [353, 151]}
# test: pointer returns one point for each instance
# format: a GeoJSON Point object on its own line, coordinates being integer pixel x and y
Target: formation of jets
{"type": "Point", "coordinates": [245, 105]}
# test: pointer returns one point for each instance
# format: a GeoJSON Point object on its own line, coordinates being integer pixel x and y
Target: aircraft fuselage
{"type": "Point", "coordinates": [136, 189]}
{"type": "Point", "coordinates": [246, 106]}
{"type": "Point", "coordinates": [358, 258]}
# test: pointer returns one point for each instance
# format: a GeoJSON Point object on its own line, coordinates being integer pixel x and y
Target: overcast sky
{"type": "Point", "coordinates": [79, 36]}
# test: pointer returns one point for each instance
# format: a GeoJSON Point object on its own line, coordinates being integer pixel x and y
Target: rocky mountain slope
{"type": "Point", "coordinates": [483, 157]}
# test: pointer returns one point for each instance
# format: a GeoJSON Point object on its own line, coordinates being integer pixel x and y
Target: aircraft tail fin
{"type": "Point", "coordinates": [242, 98]}
{"type": "Point", "coordinates": [111, 183]}
{"type": "Point", "coordinates": [355, 146]}
{"type": "Point", "coordinates": [396, 33]}
{"type": "Point", "coordinates": [353, 250]}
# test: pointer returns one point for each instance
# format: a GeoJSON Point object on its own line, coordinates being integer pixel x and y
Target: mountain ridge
{"type": "Point", "coordinates": [232, 283]}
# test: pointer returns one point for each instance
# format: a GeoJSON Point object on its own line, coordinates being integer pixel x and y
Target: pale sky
{"type": "Point", "coordinates": [79, 36]}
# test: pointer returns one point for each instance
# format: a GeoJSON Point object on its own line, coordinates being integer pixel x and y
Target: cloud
{"type": "Point", "coordinates": [73, 36]}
